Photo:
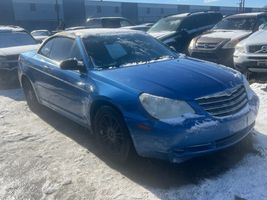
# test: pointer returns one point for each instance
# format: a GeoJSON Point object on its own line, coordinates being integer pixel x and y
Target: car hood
{"type": "Point", "coordinates": [226, 34]}
{"type": "Point", "coordinates": [17, 50]}
{"type": "Point", "coordinates": [256, 38]}
{"type": "Point", "coordinates": [162, 34]}
{"type": "Point", "coordinates": [184, 78]}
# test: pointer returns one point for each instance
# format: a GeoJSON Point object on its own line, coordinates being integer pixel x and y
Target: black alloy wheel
{"type": "Point", "coordinates": [112, 134]}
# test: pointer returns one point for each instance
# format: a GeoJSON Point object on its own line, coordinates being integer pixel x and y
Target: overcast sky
{"type": "Point", "coordinates": [249, 3]}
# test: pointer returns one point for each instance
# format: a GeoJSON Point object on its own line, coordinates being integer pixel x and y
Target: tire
{"type": "Point", "coordinates": [112, 134]}
{"type": "Point", "coordinates": [30, 96]}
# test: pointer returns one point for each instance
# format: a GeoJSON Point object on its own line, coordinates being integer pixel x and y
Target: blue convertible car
{"type": "Point", "coordinates": [137, 94]}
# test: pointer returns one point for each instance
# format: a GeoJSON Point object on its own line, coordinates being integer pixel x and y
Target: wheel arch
{"type": "Point", "coordinates": [97, 104]}
{"type": "Point", "coordinates": [23, 79]}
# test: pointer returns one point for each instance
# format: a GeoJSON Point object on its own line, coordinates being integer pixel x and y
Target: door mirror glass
{"type": "Point", "coordinates": [70, 64]}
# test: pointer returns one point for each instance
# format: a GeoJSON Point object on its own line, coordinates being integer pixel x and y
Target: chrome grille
{"type": "Point", "coordinates": [258, 49]}
{"type": "Point", "coordinates": [202, 45]}
{"type": "Point", "coordinates": [226, 103]}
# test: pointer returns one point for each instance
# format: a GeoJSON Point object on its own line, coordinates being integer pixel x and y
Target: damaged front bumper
{"type": "Point", "coordinates": [193, 137]}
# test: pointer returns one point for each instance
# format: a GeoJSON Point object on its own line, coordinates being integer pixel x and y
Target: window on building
{"type": "Point", "coordinates": [117, 9]}
{"type": "Point", "coordinates": [148, 11]}
{"type": "Point", "coordinates": [32, 7]}
{"type": "Point", "coordinates": [98, 9]}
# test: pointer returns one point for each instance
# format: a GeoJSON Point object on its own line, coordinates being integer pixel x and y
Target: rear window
{"type": "Point", "coordinates": [166, 24]}
{"type": "Point", "coordinates": [94, 23]}
{"type": "Point", "coordinates": [111, 51]}
{"type": "Point", "coordinates": [40, 33]}
{"type": "Point", "coordinates": [12, 39]}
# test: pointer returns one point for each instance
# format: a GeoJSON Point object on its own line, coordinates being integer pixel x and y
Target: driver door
{"type": "Point", "coordinates": [67, 87]}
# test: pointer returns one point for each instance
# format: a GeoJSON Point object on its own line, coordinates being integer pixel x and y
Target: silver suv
{"type": "Point", "coordinates": [251, 54]}
{"type": "Point", "coordinates": [218, 44]}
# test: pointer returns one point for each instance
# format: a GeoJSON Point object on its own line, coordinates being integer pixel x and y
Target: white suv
{"type": "Point", "coordinates": [250, 55]}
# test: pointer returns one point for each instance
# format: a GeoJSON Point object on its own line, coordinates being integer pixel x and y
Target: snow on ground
{"type": "Point", "coordinates": [46, 156]}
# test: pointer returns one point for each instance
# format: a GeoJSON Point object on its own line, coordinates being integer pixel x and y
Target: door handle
{"type": "Point", "coordinates": [47, 69]}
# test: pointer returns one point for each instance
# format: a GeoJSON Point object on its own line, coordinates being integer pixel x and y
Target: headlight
{"type": "Point", "coordinates": [192, 44]}
{"type": "Point", "coordinates": [240, 49]}
{"type": "Point", "coordinates": [246, 84]}
{"type": "Point", "coordinates": [163, 108]}
{"type": "Point", "coordinates": [231, 44]}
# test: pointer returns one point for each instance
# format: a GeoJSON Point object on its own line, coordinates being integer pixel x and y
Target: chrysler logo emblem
{"type": "Point", "coordinates": [206, 46]}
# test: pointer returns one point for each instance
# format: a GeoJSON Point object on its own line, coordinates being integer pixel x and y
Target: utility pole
{"type": "Point", "coordinates": [242, 6]}
{"type": "Point", "coordinates": [57, 12]}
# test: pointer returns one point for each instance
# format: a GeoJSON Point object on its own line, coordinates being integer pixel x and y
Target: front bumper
{"type": "Point", "coordinates": [251, 63]}
{"type": "Point", "coordinates": [220, 56]}
{"type": "Point", "coordinates": [8, 73]}
{"type": "Point", "coordinates": [193, 137]}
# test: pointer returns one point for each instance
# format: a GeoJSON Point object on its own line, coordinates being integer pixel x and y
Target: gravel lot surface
{"type": "Point", "coordinates": [46, 156]}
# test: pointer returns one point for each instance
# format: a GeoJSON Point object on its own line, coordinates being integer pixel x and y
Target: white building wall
{"type": "Point", "coordinates": [36, 10]}
{"type": "Point", "coordinates": [102, 9]}
{"type": "Point", "coordinates": [153, 12]}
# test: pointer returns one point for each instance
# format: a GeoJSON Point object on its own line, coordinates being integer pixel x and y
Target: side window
{"type": "Point", "coordinates": [61, 49]}
{"type": "Point", "coordinates": [94, 23]}
{"type": "Point", "coordinates": [188, 24]}
{"type": "Point", "coordinates": [215, 18]}
{"type": "Point", "coordinates": [125, 23]}
{"type": "Point", "coordinates": [46, 49]}
{"type": "Point", "coordinates": [202, 20]}
{"type": "Point", "coordinates": [111, 23]}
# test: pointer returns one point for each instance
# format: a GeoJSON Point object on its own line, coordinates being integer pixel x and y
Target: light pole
{"type": "Point", "coordinates": [242, 6]}
{"type": "Point", "coordinates": [57, 12]}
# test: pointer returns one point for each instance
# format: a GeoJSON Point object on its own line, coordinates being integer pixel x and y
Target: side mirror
{"type": "Point", "coordinates": [262, 26]}
{"type": "Point", "coordinates": [184, 32]}
{"type": "Point", "coordinates": [71, 64]}
{"type": "Point", "coordinates": [173, 49]}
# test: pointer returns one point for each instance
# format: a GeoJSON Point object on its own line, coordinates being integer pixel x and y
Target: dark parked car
{"type": "Point", "coordinates": [13, 41]}
{"type": "Point", "coordinates": [135, 93]}
{"type": "Point", "coordinates": [218, 45]}
{"type": "Point", "coordinates": [115, 22]}
{"type": "Point", "coordinates": [178, 30]}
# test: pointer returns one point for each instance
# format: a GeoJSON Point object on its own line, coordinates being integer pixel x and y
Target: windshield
{"type": "Point", "coordinates": [40, 33]}
{"type": "Point", "coordinates": [235, 23]}
{"type": "Point", "coordinates": [166, 24]}
{"type": "Point", "coordinates": [125, 49]}
{"type": "Point", "coordinates": [12, 39]}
